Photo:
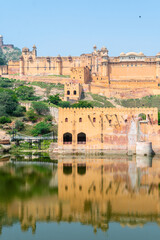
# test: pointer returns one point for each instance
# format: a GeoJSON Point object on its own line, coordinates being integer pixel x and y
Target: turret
{"type": "Point", "coordinates": [34, 51]}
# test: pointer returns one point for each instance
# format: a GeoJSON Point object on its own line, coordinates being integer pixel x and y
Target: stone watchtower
{"type": "Point", "coordinates": [1, 40]}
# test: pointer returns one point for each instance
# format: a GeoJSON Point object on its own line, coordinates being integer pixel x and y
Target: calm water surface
{"type": "Point", "coordinates": [111, 197]}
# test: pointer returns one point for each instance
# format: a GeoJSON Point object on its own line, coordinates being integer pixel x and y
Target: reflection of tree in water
{"type": "Point", "coordinates": [24, 182]}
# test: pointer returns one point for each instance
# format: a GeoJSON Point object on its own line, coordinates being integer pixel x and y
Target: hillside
{"type": "Point", "coordinates": [7, 54]}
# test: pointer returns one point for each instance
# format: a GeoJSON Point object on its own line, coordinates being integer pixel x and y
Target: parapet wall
{"type": "Point", "coordinates": [13, 67]}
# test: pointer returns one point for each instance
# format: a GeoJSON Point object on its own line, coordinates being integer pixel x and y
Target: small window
{"type": "Point", "coordinates": [80, 119]}
{"type": "Point", "coordinates": [74, 92]}
{"type": "Point", "coordinates": [94, 119]}
{"type": "Point", "coordinates": [68, 92]}
{"type": "Point", "coordinates": [66, 119]}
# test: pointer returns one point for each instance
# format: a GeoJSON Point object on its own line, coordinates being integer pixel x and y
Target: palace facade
{"type": "Point", "coordinates": [97, 67]}
{"type": "Point", "coordinates": [107, 129]}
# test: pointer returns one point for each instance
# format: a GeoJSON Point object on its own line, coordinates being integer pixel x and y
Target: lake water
{"type": "Point", "coordinates": [98, 197]}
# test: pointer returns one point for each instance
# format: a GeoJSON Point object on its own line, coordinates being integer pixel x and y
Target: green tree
{"type": "Point", "coordinates": [19, 125]}
{"type": "Point", "coordinates": [8, 102]}
{"type": "Point", "coordinates": [32, 116]}
{"type": "Point", "coordinates": [41, 128]}
{"type": "Point", "coordinates": [6, 83]}
{"type": "Point", "coordinates": [5, 119]}
{"type": "Point", "coordinates": [55, 99]}
{"type": "Point", "coordinates": [158, 118]}
{"type": "Point", "coordinates": [82, 104]}
{"type": "Point", "coordinates": [64, 104]}
{"type": "Point", "coordinates": [41, 108]}
{"type": "Point", "coordinates": [19, 112]}
{"type": "Point", "coordinates": [48, 118]}
{"type": "Point", "coordinates": [25, 93]}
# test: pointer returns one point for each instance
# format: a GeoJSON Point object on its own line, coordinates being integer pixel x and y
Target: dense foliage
{"type": "Point", "coordinates": [32, 116]}
{"type": "Point", "coordinates": [5, 119]}
{"type": "Point", "coordinates": [82, 104]}
{"type": "Point", "coordinates": [55, 99]}
{"type": "Point", "coordinates": [8, 102]}
{"type": "Point", "coordinates": [25, 93]}
{"type": "Point", "coordinates": [41, 128]}
{"type": "Point", "coordinates": [41, 108]}
{"type": "Point", "coordinates": [19, 125]}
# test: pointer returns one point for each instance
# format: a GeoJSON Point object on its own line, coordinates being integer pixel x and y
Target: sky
{"type": "Point", "coordinates": [72, 27]}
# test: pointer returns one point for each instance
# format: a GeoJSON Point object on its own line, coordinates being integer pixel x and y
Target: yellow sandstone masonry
{"type": "Point", "coordinates": [107, 129]}
{"type": "Point", "coordinates": [130, 70]}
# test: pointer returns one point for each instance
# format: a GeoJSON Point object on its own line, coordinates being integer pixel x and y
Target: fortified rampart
{"type": "Point", "coordinates": [96, 65]}
{"type": "Point", "coordinates": [110, 76]}
{"type": "Point", "coordinates": [107, 129]}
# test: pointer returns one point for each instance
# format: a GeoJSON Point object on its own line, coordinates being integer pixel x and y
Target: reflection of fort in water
{"type": "Point", "coordinates": [95, 192]}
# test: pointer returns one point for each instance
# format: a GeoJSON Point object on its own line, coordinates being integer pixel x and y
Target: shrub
{"type": "Point", "coordinates": [19, 125]}
{"type": "Point", "coordinates": [41, 108]}
{"type": "Point", "coordinates": [48, 118]}
{"type": "Point", "coordinates": [32, 116]}
{"type": "Point", "coordinates": [64, 104]}
{"type": "Point", "coordinates": [6, 83]}
{"type": "Point", "coordinates": [55, 99]}
{"type": "Point", "coordinates": [19, 112]}
{"type": "Point", "coordinates": [25, 93]}
{"type": "Point", "coordinates": [158, 118]}
{"type": "Point", "coordinates": [8, 102]}
{"type": "Point", "coordinates": [5, 119]}
{"type": "Point", "coordinates": [41, 128]}
{"type": "Point", "coordinates": [82, 104]}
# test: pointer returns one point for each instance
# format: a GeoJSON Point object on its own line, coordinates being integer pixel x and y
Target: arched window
{"type": "Point", "coordinates": [67, 170]}
{"type": "Point", "coordinates": [81, 170]}
{"type": "Point", "coordinates": [80, 119]}
{"type": "Point", "coordinates": [81, 138]}
{"type": "Point", "coordinates": [67, 138]}
{"type": "Point", "coordinates": [94, 119]}
{"type": "Point", "coordinates": [66, 119]}
{"type": "Point", "coordinates": [68, 92]}
{"type": "Point", "coordinates": [142, 116]}
{"type": "Point", "coordinates": [74, 92]}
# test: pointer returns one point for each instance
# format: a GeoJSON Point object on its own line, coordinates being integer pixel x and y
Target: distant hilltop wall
{"type": "Point", "coordinates": [2, 45]}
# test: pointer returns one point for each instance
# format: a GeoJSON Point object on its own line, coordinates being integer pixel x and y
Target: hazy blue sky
{"type": "Point", "coordinates": [72, 27]}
